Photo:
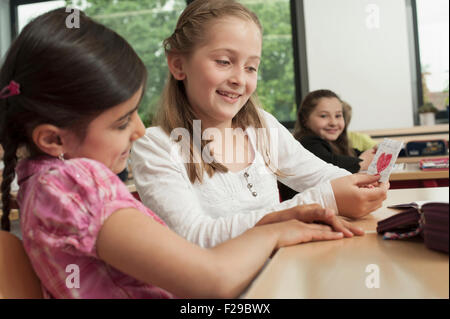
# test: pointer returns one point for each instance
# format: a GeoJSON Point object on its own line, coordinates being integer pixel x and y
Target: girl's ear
{"type": "Point", "coordinates": [175, 63]}
{"type": "Point", "coordinates": [47, 138]}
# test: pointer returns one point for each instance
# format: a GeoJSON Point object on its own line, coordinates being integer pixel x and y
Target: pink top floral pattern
{"type": "Point", "coordinates": [63, 205]}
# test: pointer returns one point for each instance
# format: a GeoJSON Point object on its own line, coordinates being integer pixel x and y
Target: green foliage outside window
{"type": "Point", "coordinates": [276, 88]}
{"type": "Point", "coordinates": [146, 23]}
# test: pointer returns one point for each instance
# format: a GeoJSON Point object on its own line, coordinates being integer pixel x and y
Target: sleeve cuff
{"type": "Point", "coordinates": [328, 196]}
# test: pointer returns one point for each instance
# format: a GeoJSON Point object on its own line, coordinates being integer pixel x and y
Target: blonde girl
{"type": "Point", "coordinates": [210, 166]}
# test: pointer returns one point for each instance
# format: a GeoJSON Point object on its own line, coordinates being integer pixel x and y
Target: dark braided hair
{"type": "Point", "coordinates": [67, 77]}
{"type": "Point", "coordinates": [10, 159]}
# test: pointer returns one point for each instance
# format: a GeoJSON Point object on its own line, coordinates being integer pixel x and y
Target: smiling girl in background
{"type": "Point", "coordinates": [321, 128]}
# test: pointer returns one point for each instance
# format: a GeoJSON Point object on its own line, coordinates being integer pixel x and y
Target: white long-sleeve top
{"type": "Point", "coordinates": [222, 206]}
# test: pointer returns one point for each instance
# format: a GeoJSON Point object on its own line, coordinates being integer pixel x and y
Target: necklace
{"type": "Point", "coordinates": [250, 185]}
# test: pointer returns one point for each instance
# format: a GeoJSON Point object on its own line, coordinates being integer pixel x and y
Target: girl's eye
{"type": "Point", "coordinates": [223, 62]}
{"type": "Point", "coordinates": [252, 69]}
{"type": "Point", "coordinates": [125, 125]}
{"type": "Point", "coordinates": [122, 127]}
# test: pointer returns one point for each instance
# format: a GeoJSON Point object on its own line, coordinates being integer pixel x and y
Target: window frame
{"type": "Point", "coordinates": [417, 68]}
{"type": "Point", "coordinates": [414, 47]}
{"type": "Point", "coordinates": [14, 14]}
{"type": "Point", "coordinates": [299, 54]}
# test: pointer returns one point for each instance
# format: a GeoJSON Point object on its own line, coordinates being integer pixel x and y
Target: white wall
{"type": "Point", "coordinates": [5, 29]}
{"type": "Point", "coordinates": [359, 49]}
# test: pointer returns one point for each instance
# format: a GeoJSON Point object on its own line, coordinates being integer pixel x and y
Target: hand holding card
{"type": "Point", "coordinates": [385, 158]}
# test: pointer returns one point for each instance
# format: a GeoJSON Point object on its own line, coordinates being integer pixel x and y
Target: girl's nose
{"type": "Point", "coordinates": [139, 128]}
{"type": "Point", "coordinates": [237, 78]}
{"type": "Point", "coordinates": [332, 121]}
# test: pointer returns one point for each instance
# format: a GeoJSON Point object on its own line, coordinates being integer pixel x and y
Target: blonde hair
{"type": "Point", "coordinates": [347, 112]}
{"type": "Point", "coordinates": [175, 110]}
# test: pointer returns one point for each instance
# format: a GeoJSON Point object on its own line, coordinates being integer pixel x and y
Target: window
{"type": "Point", "coordinates": [276, 83]}
{"type": "Point", "coordinates": [433, 32]}
{"type": "Point", "coordinates": [144, 24]}
{"type": "Point", "coordinates": [26, 12]}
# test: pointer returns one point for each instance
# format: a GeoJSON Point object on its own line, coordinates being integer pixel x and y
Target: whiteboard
{"type": "Point", "coordinates": [360, 50]}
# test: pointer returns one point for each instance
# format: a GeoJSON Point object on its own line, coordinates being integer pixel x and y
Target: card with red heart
{"type": "Point", "coordinates": [385, 158]}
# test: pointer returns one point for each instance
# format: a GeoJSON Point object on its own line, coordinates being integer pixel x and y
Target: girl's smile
{"type": "Point", "coordinates": [126, 154]}
{"type": "Point", "coordinates": [229, 97]}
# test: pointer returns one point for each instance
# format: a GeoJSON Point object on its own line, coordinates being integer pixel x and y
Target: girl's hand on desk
{"type": "Point", "coordinates": [335, 223]}
{"type": "Point", "coordinates": [359, 194]}
{"type": "Point", "coordinates": [346, 227]}
{"type": "Point", "coordinates": [294, 232]}
{"type": "Point", "coordinates": [310, 214]}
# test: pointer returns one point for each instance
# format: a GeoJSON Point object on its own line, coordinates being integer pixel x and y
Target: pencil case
{"type": "Point", "coordinates": [428, 221]}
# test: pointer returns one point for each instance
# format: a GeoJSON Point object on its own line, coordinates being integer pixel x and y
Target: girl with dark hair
{"type": "Point", "coordinates": [70, 98]}
{"type": "Point", "coordinates": [321, 128]}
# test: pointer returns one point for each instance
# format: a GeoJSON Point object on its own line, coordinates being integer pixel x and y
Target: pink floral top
{"type": "Point", "coordinates": [63, 206]}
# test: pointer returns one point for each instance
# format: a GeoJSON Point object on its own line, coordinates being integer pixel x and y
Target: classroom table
{"type": "Point", "coordinates": [347, 268]}
{"type": "Point", "coordinates": [411, 176]}
{"type": "Point", "coordinates": [414, 138]}
{"type": "Point", "coordinates": [415, 133]}
{"type": "Point", "coordinates": [417, 159]}
{"type": "Point", "coordinates": [412, 171]}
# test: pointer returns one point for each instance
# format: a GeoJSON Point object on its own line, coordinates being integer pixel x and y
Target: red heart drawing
{"type": "Point", "coordinates": [383, 162]}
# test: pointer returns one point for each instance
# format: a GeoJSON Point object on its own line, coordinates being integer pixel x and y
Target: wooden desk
{"type": "Point", "coordinates": [440, 129]}
{"type": "Point", "coordinates": [417, 159]}
{"type": "Point", "coordinates": [412, 171]}
{"type": "Point", "coordinates": [337, 269]}
{"type": "Point", "coordinates": [406, 139]}
{"type": "Point", "coordinates": [415, 133]}
{"type": "Point", "coordinates": [13, 214]}
{"type": "Point", "coordinates": [131, 187]}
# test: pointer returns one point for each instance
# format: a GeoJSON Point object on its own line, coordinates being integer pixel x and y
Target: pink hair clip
{"type": "Point", "coordinates": [13, 88]}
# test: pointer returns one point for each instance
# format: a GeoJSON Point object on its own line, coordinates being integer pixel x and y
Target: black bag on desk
{"type": "Point", "coordinates": [429, 221]}
{"type": "Point", "coordinates": [426, 148]}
